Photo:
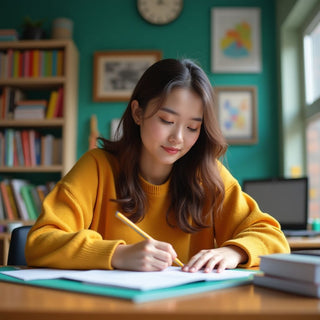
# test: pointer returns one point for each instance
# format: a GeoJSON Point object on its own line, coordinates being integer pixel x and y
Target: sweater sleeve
{"type": "Point", "coordinates": [241, 223]}
{"type": "Point", "coordinates": [61, 237]}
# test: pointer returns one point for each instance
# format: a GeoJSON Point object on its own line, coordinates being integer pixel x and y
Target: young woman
{"type": "Point", "coordinates": [164, 174]}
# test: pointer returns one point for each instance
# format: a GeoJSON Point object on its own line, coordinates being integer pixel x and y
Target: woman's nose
{"type": "Point", "coordinates": [176, 136]}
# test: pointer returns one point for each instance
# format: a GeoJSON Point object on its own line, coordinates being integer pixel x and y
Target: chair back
{"type": "Point", "coordinates": [16, 256]}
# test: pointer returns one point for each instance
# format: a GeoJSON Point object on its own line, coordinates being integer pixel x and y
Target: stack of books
{"type": "Point", "coordinates": [8, 35]}
{"type": "Point", "coordinates": [297, 273]}
{"type": "Point", "coordinates": [30, 109]}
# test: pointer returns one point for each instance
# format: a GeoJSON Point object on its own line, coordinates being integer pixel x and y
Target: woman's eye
{"type": "Point", "coordinates": [193, 129]}
{"type": "Point", "coordinates": [165, 121]}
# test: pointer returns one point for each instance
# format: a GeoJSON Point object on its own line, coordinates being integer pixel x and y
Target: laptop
{"type": "Point", "coordinates": [284, 199]}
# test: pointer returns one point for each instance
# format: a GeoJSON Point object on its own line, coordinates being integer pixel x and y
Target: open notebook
{"type": "Point", "coordinates": [284, 199]}
{"type": "Point", "coordinates": [135, 286]}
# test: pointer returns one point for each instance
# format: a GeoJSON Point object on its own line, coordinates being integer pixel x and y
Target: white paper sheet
{"type": "Point", "coordinates": [170, 277]}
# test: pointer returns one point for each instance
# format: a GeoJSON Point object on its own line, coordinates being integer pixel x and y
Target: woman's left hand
{"type": "Point", "coordinates": [220, 258]}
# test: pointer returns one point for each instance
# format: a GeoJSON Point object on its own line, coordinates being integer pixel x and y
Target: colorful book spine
{"type": "Point", "coordinates": [48, 64]}
{"type": "Point", "coordinates": [32, 139]}
{"type": "Point", "coordinates": [27, 197]}
{"type": "Point", "coordinates": [52, 104]}
{"type": "Point", "coordinates": [9, 151]}
{"type": "Point", "coordinates": [54, 63]}
{"type": "Point", "coordinates": [31, 63]}
{"type": "Point", "coordinates": [16, 63]}
{"type": "Point", "coordinates": [26, 147]}
{"type": "Point", "coordinates": [12, 202]}
{"type": "Point", "coordinates": [58, 111]}
{"type": "Point", "coordinates": [2, 149]}
{"type": "Point", "coordinates": [17, 184]}
{"type": "Point", "coordinates": [6, 200]}
{"type": "Point", "coordinates": [60, 64]}
{"type": "Point", "coordinates": [10, 63]}
{"type": "Point", "coordinates": [18, 142]}
{"type": "Point", "coordinates": [26, 63]}
{"type": "Point", "coordinates": [3, 215]}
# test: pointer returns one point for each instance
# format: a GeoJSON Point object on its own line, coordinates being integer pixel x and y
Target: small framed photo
{"type": "Point", "coordinates": [237, 113]}
{"type": "Point", "coordinates": [115, 73]}
{"type": "Point", "coordinates": [235, 40]}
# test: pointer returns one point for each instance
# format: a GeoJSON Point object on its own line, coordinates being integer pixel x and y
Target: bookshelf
{"type": "Point", "coordinates": [62, 127]}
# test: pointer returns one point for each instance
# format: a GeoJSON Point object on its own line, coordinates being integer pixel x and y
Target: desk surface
{"type": "Point", "coordinates": [246, 302]}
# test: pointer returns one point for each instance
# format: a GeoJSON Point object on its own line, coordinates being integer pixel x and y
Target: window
{"type": "Point", "coordinates": [313, 167]}
{"type": "Point", "coordinates": [312, 60]}
{"type": "Point", "coordinates": [311, 44]}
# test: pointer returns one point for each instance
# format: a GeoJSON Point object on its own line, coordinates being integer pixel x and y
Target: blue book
{"type": "Point", "coordinates": [54, 62]}
{"type": "Point", "coordinates": [9, 155]}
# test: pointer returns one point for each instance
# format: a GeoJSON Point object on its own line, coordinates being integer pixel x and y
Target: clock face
{"type": "Point", "coordinates": [159, 11]}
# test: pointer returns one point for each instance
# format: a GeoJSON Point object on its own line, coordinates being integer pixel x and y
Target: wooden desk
{"type": "Point", "coordinates": [241, 303]}
{"type": "Point", "coordinates": [298, 243]}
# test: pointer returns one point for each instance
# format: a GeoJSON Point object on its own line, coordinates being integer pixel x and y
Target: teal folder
{"type": "Point", "coordinates": [129, 294]}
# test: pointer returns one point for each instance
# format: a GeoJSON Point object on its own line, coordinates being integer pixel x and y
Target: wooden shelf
{"type": "Point", "coordinates": [36, 44]}
{"type": "Point", "coordinates": [56, 122]}
{"type": "Point", "coordinates": [55, 168]}
{"type": "Point", "coordinates": [33, 82]}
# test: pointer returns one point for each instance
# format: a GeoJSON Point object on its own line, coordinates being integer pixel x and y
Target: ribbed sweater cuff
{"type": "Point", "coordinates": [99, 254]}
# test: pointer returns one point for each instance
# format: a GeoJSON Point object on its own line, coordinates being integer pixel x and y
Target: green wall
{"type": "Point", "coordinates": [116, 25]}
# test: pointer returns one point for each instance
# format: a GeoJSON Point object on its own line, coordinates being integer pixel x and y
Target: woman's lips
{"type": "Point", "coordinates": [171, 150]}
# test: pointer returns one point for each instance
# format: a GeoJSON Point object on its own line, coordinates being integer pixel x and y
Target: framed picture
{"type": "Point", "coordinates": [116, 73]}
{"type": "Point", "coordinates": [237, 113]}
{"type": "Point", "coordinates": [235, 40]}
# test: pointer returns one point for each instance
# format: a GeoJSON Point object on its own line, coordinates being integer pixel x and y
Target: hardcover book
{"type": "Point", "coordinates": [289, 285]}
{"type": "Point", "coordinates": [292, 266]}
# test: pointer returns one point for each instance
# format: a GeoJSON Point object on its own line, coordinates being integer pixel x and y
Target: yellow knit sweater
{"type": "Point", "coordinates": [77, 228]}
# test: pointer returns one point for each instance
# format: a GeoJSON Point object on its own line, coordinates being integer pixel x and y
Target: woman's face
{"type": "Point", "coordinates": [168, 134]}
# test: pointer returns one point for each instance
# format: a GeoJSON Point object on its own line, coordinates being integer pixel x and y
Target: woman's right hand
{"type": "Point", "coordinates": [148, 255]}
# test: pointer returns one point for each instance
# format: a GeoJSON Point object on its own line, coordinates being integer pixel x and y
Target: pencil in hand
{"type": "Point", "coordinates": [141, 232]}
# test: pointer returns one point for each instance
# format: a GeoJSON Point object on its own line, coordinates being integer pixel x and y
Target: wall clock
{"type": "Point", "coordinates": [160, 11]}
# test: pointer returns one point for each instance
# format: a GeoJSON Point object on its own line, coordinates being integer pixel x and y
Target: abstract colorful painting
{"type": "Point", "coordinates": [236, 40]}
{"type": "Point", "coordinates": [237, 113]}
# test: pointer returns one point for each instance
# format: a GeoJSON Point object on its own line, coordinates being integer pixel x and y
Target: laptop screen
{"type": "Point", "coordinates": [284, 199]}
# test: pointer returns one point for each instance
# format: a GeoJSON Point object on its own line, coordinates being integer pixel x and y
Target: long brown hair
{"type": "Point", "coordinates": [195, 181]}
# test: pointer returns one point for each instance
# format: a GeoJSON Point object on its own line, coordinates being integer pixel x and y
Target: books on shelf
{"type": "Point", "coordinates": [31, 63]}
{"type": "Point", "coordinates": [14, 105]}
{"type": "Point", "coordinates": [29, 148]}
{"type": "Point", "coordinates": [290, 272]}
{"type": "Point", "coordinates": [22, 200]}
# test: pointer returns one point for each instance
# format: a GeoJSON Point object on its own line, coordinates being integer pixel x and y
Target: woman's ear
{"type": "Point", "coordinates": [136, 112]}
